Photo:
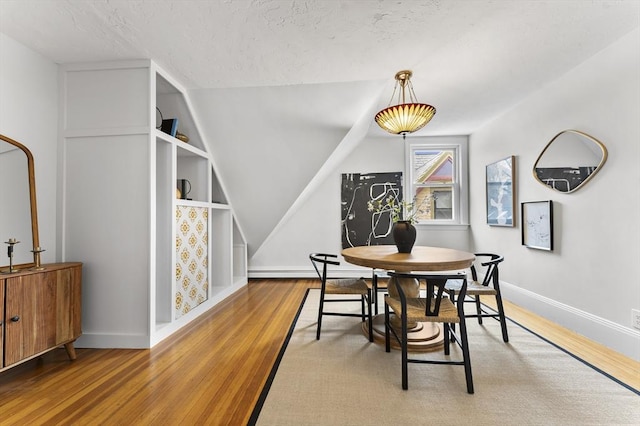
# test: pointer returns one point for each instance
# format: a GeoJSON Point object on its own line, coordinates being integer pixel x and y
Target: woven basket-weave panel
{"type": "Point", "coordinates": [192, 282]}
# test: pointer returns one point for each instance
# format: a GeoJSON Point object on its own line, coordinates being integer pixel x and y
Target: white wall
{"type": "Point", "coordinates": [315, 227]}
{"type": "Point", "coordinates": [590, 281]}
{"type": "Point", "coordinates": [29, 114]}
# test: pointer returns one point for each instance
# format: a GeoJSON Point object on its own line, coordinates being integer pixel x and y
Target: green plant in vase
{"type": "Point", "coordinates": [399, 211]}
{"type": "Point", "coordinates": [404, 215]}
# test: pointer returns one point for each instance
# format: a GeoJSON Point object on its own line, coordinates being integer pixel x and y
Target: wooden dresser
{"type": "Point", "coordinates": [39, 311]}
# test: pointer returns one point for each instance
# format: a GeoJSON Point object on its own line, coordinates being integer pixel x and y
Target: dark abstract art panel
{"type": "Point", "coordinates": [360, 227]}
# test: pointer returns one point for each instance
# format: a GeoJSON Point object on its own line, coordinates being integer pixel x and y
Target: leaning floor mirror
{"type": "Point", "coordinates": [18, 215]}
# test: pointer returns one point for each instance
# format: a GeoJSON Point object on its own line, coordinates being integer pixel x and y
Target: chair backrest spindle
{"type": "Point", "coordinates": [435, 289]}
{"type": "Point", "coordinates": [491, 271]}
{"type": "Point", "coordinates": [323, 259]}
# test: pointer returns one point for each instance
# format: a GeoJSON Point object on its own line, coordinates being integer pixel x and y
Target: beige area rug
{"type": "Point", "coordinates": [342, 379]}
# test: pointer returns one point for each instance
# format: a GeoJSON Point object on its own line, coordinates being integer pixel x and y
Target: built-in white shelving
{"type": "Point", "coordinates": [141, 261]}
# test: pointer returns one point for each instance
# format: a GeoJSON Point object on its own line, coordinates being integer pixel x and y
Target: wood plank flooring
{"type": "Point", "coordinates": [210, 373]}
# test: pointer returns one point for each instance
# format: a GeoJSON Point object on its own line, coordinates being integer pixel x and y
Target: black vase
{"type": "Point", "coordinates": [404, 235]}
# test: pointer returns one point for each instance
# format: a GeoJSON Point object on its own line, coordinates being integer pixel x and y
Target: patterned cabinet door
{"type": "Point", "coordinates": [192, 282]}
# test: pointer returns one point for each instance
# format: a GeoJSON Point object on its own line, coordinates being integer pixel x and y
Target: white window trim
{"type": "Point", "coordinates": [460, 144]}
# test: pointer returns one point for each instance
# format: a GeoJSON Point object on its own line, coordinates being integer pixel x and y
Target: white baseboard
{"type": "Point", "coordinates": [109, 341]}
{"type": "Point", "coordinates": [624, 340]}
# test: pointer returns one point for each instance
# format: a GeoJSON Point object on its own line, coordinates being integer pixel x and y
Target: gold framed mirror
{"type": "Point", "coordinates": [19, 214]}
{"type": "Point", "coordinates": [570, 160]}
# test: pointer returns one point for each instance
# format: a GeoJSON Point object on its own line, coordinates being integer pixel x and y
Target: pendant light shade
{"type": "Point", "coordinates": [404, 117]}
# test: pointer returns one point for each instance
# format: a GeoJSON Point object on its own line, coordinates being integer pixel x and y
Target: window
{"type": "Point", "coordinates": [436, 180]}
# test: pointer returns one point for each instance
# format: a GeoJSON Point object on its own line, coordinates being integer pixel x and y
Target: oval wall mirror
{"type": "Point", "coordinates": [18, 215]}
{"type": "Point", "coordinates": [570, 160]}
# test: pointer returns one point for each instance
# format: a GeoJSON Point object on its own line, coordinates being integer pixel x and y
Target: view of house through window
{"type": "Point", "coordinates": [434, 182]}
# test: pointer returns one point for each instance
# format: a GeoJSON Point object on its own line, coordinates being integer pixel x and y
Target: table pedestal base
{"type": "Point", "coordinates": [424, 337]}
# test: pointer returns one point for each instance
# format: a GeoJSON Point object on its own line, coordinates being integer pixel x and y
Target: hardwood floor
{"type": "Point", "coordinates": [212, 372]}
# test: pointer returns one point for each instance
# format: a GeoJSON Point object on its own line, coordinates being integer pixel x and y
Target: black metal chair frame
{"type": "Point", "coordinates": [435, 293]}
{"type": "Point", "coordinates": [365, 299]}
{"type": "Point", "coordinates": [375, 289]}
{"type": "Point", "coordinates": [492, 277]}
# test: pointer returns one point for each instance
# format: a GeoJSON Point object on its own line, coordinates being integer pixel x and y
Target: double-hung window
{"type": "Point", "coordinates": [437, 180]}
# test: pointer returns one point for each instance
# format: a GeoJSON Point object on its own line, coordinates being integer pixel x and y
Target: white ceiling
{"type": "Point", "coordinates": [472, 60]}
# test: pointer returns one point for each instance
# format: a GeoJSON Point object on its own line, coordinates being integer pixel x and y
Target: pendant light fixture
{"type": "Point", "coordinates": [404, 117]}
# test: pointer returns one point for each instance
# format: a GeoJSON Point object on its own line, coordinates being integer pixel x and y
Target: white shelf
{"type": "Point", "coordinates": [191, 161]}
{"type": "Point", "coordinates": [180, 144]}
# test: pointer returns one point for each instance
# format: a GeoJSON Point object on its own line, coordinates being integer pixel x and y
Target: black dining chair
{"type": "Point", "coordinates": [435, 307]}
{"type": "Point", "coordinates": [348, 287]}
{"type": "Point", "coordinates": [489, 286]}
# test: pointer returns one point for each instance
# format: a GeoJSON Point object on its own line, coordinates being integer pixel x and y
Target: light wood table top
{"type": "Point", "coordinates": [421, 258]}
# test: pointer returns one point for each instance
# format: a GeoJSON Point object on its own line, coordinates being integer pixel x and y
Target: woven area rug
{"type": "Point", "coordinates": [343, 379]}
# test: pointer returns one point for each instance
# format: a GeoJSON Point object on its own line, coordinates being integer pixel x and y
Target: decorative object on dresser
{"type": "Point", "coordinates": [36, 258]}
{"type": "Point", "coordinates": [11, 243]}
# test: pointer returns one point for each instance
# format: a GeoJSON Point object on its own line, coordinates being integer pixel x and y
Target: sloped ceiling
{"type": "Point", "coordinates": [277, 84]}
{"type": "Point", "coordinates": [269, 142]}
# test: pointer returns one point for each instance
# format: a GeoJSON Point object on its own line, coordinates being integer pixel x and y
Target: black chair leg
{"type": "Point", "coordinates": [465, 354]}
{"type": "Point", "coordinates": [405, 355]}
{"type": "Point", "coordinates": [452, 326]}
{"type": "Point", "coordinates": [478, 309]}
{"type": "Point", "coordinates": [503, 320]}
{"type": "Point", "coordinates": [374, 286]}
{"type": "Point", "coordinates": [320, 308]}
{"type": "Point", "coordinates": [370, 317]}
{"type": "Point", "coordinates": [446, 328]}
{"type": "Point", "coordinates": [387, 333]}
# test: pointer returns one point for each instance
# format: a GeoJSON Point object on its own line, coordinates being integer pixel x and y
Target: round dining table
{"type": "Point", "coordinates": [421, 258]}
{"type": "Point", "coordinates": [422, 336]}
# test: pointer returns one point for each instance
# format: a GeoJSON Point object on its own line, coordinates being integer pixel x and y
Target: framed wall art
{"type": "Point", "coordinates": [537, 224]}
{"type": "Point", "coordinates": [361, 227]}
{"type": "Point", "coordinates": [501, 196]}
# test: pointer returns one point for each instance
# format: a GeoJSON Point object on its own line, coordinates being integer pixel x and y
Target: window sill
{"type": "Point", "coordinates": [443, 226]}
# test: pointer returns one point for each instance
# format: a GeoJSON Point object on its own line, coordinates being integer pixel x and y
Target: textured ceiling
{"type": "Point", "coordinates": [272, 42]}
{"type": "Point", "coordinates": [471, 59]}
